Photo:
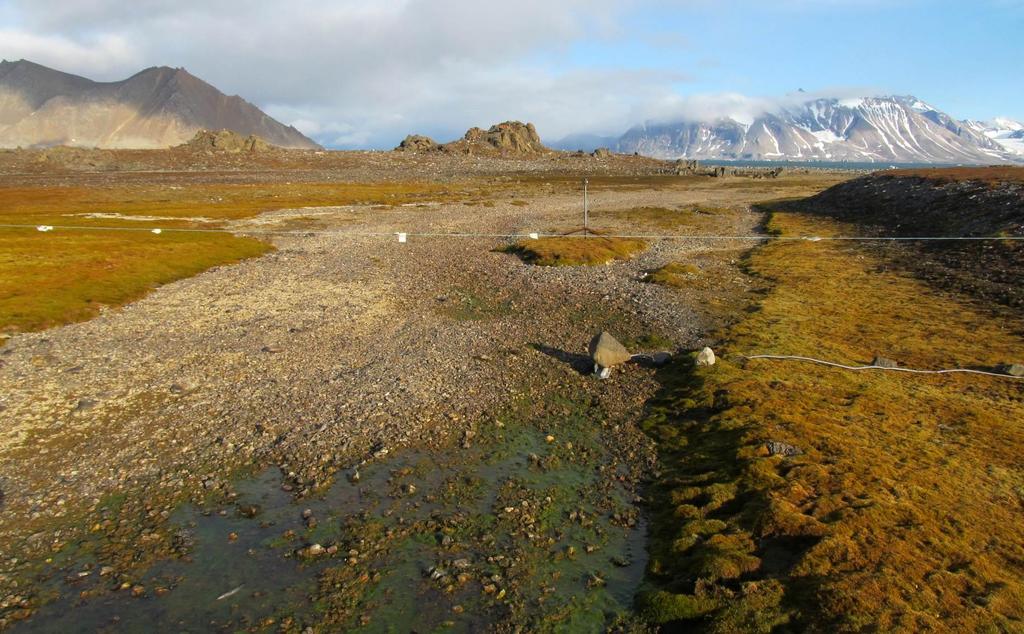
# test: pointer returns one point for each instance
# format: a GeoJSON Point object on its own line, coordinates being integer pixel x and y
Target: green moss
{"type": "Point", "coordinates": [665, 607]}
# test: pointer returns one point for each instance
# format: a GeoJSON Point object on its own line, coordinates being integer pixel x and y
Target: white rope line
{"type": "Point", "coordinates": [534, 235]}
{"type": "Point", "coordinates": [857, 368]}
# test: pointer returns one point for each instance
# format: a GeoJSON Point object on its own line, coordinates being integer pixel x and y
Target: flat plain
{"type": "Point", "coordinates": [302, 357]}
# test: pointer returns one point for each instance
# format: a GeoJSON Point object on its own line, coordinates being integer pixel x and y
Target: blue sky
{"type": "Point", "coordinates": [352, 73]}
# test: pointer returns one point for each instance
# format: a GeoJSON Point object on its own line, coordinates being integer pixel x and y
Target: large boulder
{"type": "Point", "coordinates": [706, 357]}
{"type": "Point", "coordinates": [607, 352]}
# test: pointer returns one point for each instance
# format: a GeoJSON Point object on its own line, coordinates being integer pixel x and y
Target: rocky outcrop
{"type": "Point", "coordinates": [226, 141]}
{"type": "Point", "coordinates": [418, 143]}
{"type": "Point", "coordinates": [508, 138]}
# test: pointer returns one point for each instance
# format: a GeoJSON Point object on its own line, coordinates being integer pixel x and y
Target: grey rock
{"type": "Point", "coordinates": [1014, 369]}
{"type": "Point", "coordinates": [706, 357]}
{"type": "Point", "coordinates": [776, 448]}
{"type": "Point", "coordinates": [85, 404]}
{"type": "Point", "coordinates": [882, 362]}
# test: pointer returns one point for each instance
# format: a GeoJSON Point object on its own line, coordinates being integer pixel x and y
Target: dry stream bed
{"type": "Point", "coordinates": [211, 486]}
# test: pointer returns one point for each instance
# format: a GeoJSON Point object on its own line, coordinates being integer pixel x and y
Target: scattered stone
{"type": "Point", "coordinates": [595, 581]}
{"type": "Point", "coordinates": [706, 358]}
{"type": "Point", "coordinates": [85, 404]}
{"type": "Point", "coordinates": [138, 591]}
{"type": "Point", "coordinates": [776, 448]}
{"type": "Point", "coordinates": [249, 510]}
{"type": "Point", "coordinates": [272, 349]}
{"type": "Point", "coordinates": [1014, 369]}
{"type": "Point", "coordinates": [311, 551]}
{"type": "Point", "coordinates": [659, 359]}
{"type": "Point", "coordinates": [882, 362]}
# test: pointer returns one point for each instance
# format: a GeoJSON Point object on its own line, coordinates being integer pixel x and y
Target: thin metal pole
{"type": "Point", "coordinates": [586, 211]}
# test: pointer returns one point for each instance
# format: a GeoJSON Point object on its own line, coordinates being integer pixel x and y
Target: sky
{"type": "Point", "coordinates": [364, 73]}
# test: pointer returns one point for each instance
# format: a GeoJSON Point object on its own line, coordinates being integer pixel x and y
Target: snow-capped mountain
{"type": "Point", "coordinates": [1006, 132]}
{"type": "Point", "coordinates": [877, 129]}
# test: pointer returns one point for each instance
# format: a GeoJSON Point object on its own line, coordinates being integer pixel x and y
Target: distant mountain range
{"type": "Point", "coordinates": [156, 108]}
{"type": "Point", "coordinates": [872, 130]}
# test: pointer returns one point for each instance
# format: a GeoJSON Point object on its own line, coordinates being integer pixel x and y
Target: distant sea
{"type": "Point", "coordinates": [831, 165]}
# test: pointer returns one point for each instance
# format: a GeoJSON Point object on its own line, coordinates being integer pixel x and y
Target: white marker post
{"type": "Point", "coordinates": [401, 238]}
{"type": "Point", "coordinates": [157, 231]}
{"type": "Point", "coordinates": [535, 236]}
{"type": "Point", "coordinates": [586, 210]}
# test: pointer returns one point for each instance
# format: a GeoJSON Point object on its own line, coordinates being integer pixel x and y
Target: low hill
{"type": "Point", "coordinates": [944, 203]}
{"type": "Point", "coordinates": [156, 108]}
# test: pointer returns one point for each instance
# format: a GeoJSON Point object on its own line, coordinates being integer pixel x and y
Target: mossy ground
{"type": "Point", "coordinates": [47, 279]}
{"type": "Point", "coordinates": [661, 218]}
{"type": "Point", "coordinates": [905, 510]}
{"type": "Point", "coordinates": [675, 274]}
{"type": "Point", "coordinates": [577, 250]}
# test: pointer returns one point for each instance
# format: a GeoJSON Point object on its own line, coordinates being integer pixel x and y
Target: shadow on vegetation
{"type": "Point", "coordinates": [720, 546]}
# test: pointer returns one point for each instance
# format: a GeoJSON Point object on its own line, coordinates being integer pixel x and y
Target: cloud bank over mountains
{"type": "Point", "coordinates": [356, 74]}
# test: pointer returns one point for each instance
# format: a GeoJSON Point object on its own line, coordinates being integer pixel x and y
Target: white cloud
{"type": "Point", "coordinates": [102, 54]}
{"type": "Point", "coordinates": [351, 71]}
{"type": "Point", "coordinates": [736, 106]}
{"type": "Point", "coordinates": [356, 72]}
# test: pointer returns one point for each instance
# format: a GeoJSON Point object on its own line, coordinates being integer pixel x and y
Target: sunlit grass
{"type": "Point", "coordinates": [218, 202]}
{"type": "Point", "coordinates": [577, 251]}
{"type": "Point", "coordinates": [905, 511]}
{"type": "Point", "coordinates": [48, 279]}
{"type": "Point", "coordinates": [676, 274]}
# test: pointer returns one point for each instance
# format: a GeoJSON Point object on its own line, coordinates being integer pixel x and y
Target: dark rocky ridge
{"type": "Point", "coordinates": [936, 205]}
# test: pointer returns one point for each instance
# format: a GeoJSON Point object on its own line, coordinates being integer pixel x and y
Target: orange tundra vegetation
{"type": "Point", "coordinates": [64, 276]}
{"type": "Point", "coordinates": [904, 509]}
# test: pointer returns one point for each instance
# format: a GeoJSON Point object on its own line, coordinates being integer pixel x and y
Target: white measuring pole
{"type": "Point", "coordinates": [586, 210]}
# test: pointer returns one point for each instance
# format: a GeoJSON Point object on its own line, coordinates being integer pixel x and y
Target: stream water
{"type": "Point", "coordinates": [534, 524]}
